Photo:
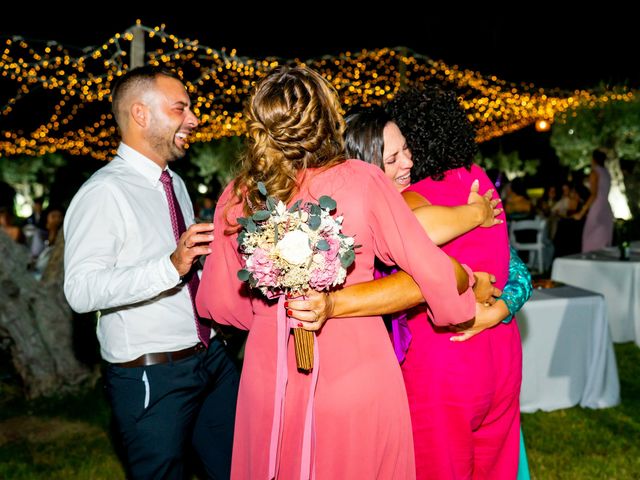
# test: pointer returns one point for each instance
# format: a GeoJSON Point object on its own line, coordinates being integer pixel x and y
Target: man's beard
{"type": "Point", "coordinates": [166, 147]}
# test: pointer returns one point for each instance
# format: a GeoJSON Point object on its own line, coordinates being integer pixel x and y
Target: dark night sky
{"type": "Point", "coordinates": [548, 51]}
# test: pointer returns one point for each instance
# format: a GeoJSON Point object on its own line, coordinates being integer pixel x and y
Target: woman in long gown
{"type": "Point", "coordinates": [361, 426]}
{"type": "Point", "coordinates": [598, 228]}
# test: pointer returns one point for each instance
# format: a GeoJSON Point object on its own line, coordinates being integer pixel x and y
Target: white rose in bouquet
{"type": "Point", "coordinates": [294, 247]}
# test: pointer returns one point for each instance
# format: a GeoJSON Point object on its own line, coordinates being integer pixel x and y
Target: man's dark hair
{"type": "Point", "coordinates": [140, 78]}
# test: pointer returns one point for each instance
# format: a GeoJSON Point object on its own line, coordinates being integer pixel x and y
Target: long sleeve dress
{"type": "Point", "coordinates": [361, 426]}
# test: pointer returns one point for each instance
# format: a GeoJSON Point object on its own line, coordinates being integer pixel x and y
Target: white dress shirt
{"type": "Point", "coordinates": [118, 239]}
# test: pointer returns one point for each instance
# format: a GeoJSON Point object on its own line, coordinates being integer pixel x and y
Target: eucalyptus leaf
{"type": "Point", "coordinates": [314, 209]}
{"type": "Point", "coordinates": [251, 226]}
{"type": "Point", "coordinates": [314, 222]}
{"type": "Point", "coordinates": [271, 204]}
{"type": "Point", "coordinates": [261, 215]}
{"type": "Point", "coordinates": [243, 275]}
{"type": "Point", "coordinates": [327, 203]}
{"type": "Point", "coordinates": [347, 259]}
{"type": "Point", "coordinates": [242, 221]}
{"type": "Point", "coordinates": [322, 245]}
{"type": "Point", "coordinates": [295, 206]}
{"type": "Point", "coordinates": [262, 189]}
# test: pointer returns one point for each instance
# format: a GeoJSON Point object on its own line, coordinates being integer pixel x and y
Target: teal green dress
{"type": "Point", "coordinates": [515, 293]}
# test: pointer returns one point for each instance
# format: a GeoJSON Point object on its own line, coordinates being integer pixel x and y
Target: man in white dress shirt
{"type": "Point", "coordinates": [126, 255]}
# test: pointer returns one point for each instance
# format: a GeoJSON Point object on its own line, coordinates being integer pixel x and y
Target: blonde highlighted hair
{"type": "Point", "coordinates": [293, 123]}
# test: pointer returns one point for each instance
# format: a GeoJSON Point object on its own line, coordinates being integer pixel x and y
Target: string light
{"type": "Point", "coordinates": [543, 125]}
{"type": "Point", "coordinates": [62, 101]}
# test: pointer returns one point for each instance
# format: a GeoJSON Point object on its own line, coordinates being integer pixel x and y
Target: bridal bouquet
{"type": "Point", "coordinates": [292, 250]}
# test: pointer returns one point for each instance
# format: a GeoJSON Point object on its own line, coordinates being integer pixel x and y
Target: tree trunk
{"type": "Point", "coordinates": [38, 322]}
{"type": "Point", "coordinates": [632, 187]}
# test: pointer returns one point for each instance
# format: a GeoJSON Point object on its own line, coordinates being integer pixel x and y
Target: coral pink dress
{"type": "Point", "coordinates": [464, 396]}
{"type": "Point", "coordinates": [361, 426]}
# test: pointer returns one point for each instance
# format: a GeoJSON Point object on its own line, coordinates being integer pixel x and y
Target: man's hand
{"type": "Point", "coordinates": [192, 243]}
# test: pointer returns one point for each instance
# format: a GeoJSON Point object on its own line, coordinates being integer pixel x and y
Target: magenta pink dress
{"type": "Point", "coordinates": [464, 397]}
{"type": "Point", "coordinates": [361, 423]}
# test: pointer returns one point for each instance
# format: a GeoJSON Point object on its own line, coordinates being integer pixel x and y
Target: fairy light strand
{"type": "Point", "coordinates": [61, 101]}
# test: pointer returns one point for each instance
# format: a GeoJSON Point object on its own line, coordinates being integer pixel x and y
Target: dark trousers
{"type": "Point", "coordinates": [161, 410]}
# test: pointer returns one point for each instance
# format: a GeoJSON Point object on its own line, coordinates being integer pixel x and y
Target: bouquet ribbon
{"type": "Point", "coordinates": [283, 326]}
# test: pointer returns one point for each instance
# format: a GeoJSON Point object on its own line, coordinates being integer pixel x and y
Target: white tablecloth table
{"type": "Point", "coordinates": [618, 281]}
{"type": "Point", "coordinates": [568, 356]}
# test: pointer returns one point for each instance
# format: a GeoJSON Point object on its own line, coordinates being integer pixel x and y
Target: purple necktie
{"type": "Point", "coordinates": [177, 222]}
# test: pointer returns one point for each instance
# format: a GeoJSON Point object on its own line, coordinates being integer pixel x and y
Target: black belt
{"type": "Point", "coordinates": [162, 357]}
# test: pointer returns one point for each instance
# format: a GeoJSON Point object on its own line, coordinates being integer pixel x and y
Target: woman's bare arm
{"type": "Point", "coordinates": [486, 317]}
{"type": "Point", "coordinates": [390, 294]}
{"type": "Point", "coordinates": [593, 185]}
{"type": "Point", "coordinates": [443, 224]}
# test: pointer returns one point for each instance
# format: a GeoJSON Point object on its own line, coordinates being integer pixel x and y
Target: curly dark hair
{"type": "Point", "coordinates": [438, 131]}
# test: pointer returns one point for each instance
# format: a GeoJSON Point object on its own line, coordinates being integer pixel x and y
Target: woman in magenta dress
{"type": "Point", "coordinates": [467, 393]}
{"type": "Point", "coordinates": [598, 228]}
{"type": "Point", "coordinates": [361, 426]}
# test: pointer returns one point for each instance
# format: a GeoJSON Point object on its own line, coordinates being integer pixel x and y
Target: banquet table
{"type": "Point", "coordinates": [568, 356]}
{"type": "Point", "coordinates": [619, 281]}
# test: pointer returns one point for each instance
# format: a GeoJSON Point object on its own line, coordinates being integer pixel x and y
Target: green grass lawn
{"type": "Point", "coordinates": [68, 438]}
{"type": "Point", "coordinates": [61, 438]}
{"type": "Point", "coordinates": [581, 443]}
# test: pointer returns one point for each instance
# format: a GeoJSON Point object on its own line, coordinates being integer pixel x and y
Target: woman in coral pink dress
{"type": "Point", "coordinates": [360, 424]}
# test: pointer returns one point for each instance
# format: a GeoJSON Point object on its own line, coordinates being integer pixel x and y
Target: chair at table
{"type": "Point", "coordinates": [536, 247]}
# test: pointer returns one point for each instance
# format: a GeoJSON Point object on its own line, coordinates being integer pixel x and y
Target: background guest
{"type": "Point", "coordinates": [598, 228]}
